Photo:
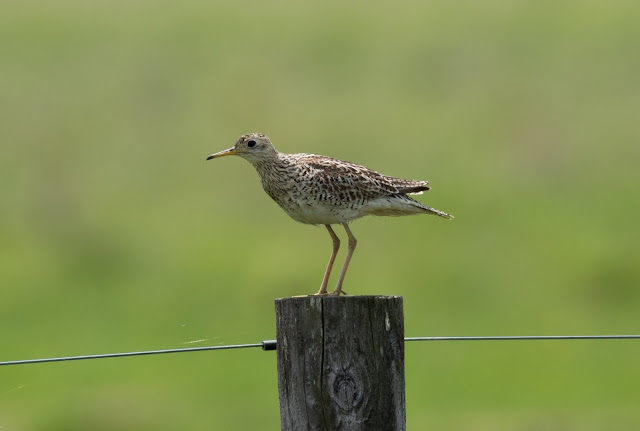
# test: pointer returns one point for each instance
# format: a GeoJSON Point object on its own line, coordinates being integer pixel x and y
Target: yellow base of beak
{"type": "Point", "coordinates": [229, 152]}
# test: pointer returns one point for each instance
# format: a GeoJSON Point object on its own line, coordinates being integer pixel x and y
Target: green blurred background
{"type": "Point", "coordinates": [116, 235]}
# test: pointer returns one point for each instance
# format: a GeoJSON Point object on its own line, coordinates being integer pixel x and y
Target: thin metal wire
{"type": "Point", "coordinates": [525, 337]}
{"type": "Point", "coordinates": [271, 345]}
{"type": "Point", "coordinates": [119, 355]}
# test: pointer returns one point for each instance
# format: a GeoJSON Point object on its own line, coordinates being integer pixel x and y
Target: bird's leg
{"type": "Point", "coordinates": [352, 246]}
{"type": "Point", "coordinates": [327, 273]}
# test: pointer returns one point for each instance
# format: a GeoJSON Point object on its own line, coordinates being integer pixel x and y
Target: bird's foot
{"type": "Point", "coordinates": [336, 292]}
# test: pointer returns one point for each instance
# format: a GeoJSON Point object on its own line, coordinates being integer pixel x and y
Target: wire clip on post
{"type": "Point", "coordinates": [269, 345]}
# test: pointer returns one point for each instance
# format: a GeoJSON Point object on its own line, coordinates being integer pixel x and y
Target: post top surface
{"type": "Point", "coordinates": [343, 298]}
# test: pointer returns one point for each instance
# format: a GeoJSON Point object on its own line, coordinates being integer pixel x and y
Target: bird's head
{"type": "Point", "coordinates": [254, 147]}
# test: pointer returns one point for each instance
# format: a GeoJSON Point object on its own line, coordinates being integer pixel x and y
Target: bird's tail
{"type": "Point", "coordinates": [430, 210]}
{"type": "Point", "coordinates": [438, 212]}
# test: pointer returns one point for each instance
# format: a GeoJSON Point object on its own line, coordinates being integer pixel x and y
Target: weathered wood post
{"type": "Point", "coordinates": [341, 363]}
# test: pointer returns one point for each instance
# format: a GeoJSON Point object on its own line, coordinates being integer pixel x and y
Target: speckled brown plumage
{"type": "Point", "coordinates": [321, 190]}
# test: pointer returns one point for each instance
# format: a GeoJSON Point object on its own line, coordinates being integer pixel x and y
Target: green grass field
{"type": "Point", "coordinates": [116, 235]}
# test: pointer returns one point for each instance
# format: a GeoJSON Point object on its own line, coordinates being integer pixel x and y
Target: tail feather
{"type": "Point", "coordinates": [432, 210]}
{"type": "Point", "coordinates": [439, 213]}
{"type": "Point", "coordinates": [400, 205]}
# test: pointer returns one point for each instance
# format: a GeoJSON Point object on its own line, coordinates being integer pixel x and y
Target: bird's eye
{"type": "Point", "coordinates": [251, 144]}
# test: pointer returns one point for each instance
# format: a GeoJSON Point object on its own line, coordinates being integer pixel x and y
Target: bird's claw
{"type": "Point", "coordinates": [334, 293]}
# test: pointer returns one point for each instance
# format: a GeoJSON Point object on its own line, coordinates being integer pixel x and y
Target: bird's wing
{"type": "Point", "coordinates": [339, 175]}
{"type": "Point", "coordinates": [410, 187]}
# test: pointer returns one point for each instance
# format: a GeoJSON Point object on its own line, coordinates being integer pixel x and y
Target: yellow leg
{"type": "Point", "coordinates": [327, 273]}
{"type": "Point", "coordinates": [352, 246]}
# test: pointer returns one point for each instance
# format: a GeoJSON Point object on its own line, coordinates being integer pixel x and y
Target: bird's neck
{"type": "Point", "coordinates": [277, 161]}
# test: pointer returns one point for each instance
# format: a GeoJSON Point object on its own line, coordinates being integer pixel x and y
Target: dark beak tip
{"type": "Point", "coordinates": [210, 157]}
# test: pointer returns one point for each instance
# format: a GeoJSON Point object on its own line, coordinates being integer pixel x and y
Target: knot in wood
{"type": "Point", "coordinates": [347, 390]}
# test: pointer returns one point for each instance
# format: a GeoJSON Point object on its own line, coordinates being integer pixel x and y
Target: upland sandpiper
{"type": "Point", "coordinates": [321, 190]}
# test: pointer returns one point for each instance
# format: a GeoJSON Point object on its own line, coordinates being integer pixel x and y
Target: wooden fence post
{"type": "Point", "coordinates": [341, 363]}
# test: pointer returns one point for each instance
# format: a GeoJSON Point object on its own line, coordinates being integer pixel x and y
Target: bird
{"type": "Point", "coordinates": [321, 190]}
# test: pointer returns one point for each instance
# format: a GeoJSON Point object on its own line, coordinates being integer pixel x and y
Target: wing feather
{"type": "Point", "coordinates": [365, 183]}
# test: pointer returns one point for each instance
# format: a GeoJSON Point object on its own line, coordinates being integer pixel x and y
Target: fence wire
{"type": "Point", "coordinates": [526, 337]}
{"type": "Point", "coordinates": [272, 345]}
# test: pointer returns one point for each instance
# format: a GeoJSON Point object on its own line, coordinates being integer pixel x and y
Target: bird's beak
{"type": "Point", "coordinates": [229, 152]}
